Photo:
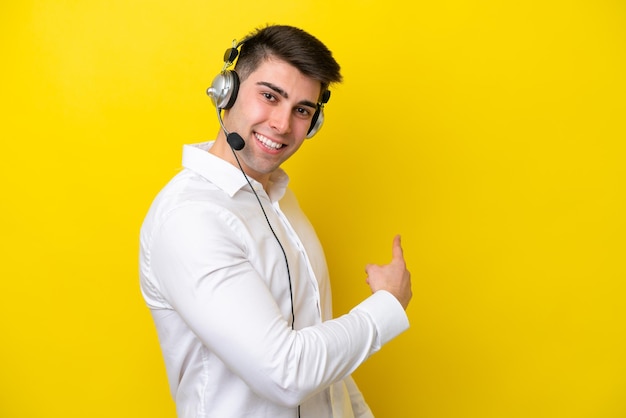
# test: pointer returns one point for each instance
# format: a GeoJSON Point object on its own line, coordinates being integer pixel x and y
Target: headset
{"type": "Point", "coordinates": [225, 86]}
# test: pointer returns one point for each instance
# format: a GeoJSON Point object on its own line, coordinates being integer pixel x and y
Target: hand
{"type": "Point", "coordinates": [392, 277]}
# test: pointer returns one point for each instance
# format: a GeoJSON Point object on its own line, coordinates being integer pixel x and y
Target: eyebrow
{"type": "Point", "coordinates": [284, 94]}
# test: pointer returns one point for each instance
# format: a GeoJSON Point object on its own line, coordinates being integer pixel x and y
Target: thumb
{"type": "Point", "coordinates": [396, 249]}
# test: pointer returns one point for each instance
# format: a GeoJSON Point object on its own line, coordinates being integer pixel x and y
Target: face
{"type": "Point", "coordinates": [273, 113]}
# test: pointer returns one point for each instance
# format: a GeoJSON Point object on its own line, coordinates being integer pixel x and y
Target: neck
{"type": "Point", "coordinates": [222, 149]}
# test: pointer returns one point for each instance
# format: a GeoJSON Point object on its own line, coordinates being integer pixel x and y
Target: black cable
{"type": "Point", "coordinates": [293, 316]}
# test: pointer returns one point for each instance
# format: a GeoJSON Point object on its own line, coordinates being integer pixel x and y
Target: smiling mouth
{"type": "Point", "coordinates": [267, 142]}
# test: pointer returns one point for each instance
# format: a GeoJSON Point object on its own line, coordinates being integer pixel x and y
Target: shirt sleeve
{"type": "Point", "coordinates": [200, 265]}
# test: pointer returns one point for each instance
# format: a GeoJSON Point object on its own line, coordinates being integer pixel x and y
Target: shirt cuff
{"type": "Point", "coordinates": [388, 315]}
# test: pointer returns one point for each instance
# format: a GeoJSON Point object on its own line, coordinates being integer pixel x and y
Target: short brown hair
{"type": "Point", "coordinates": [292, 45]}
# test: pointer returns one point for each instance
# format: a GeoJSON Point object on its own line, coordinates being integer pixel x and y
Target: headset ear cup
{"type": "Point", "coordinates": [316, 122]}
{"type": "Point", "coordinates": [234, 90]}
{"type": "Point", "coordinates": [224, 89]}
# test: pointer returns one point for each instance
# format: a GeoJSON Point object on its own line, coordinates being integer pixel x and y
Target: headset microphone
{"type": "Point", "coordinates": [235, 140]}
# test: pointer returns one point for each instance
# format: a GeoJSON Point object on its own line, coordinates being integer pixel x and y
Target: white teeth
{"type": "Point", "coordinates": [268, 143]}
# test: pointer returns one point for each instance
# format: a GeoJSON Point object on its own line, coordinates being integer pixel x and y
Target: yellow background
{"type": "Point", "coordinates": [489, 134]}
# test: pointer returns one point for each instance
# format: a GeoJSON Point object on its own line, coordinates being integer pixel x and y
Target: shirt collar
{"type": "Point", "coordinates": [225, 175]}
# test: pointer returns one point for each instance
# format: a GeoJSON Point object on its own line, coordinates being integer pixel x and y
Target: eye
{"type": "Point", "coordinates": [269, 96]}
{"type": "Point", "coordinates": [303, 111]}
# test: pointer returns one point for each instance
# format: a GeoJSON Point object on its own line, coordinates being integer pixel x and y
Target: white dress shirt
{"type": "Point", "coordinates": [217, 284]}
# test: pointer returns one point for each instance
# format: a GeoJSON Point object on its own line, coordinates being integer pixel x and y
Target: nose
{"type": "Point", "coordinates": [280, 120]}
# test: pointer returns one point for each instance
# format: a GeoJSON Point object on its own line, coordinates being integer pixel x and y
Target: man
{"type": "Point", "coordinates": [233, 272]}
